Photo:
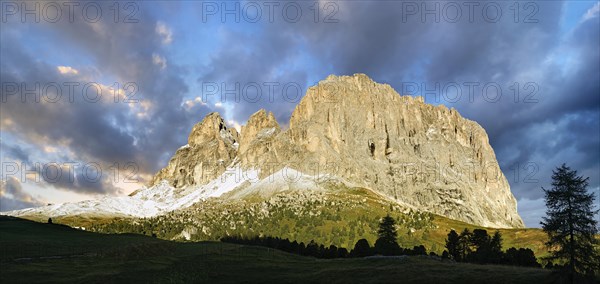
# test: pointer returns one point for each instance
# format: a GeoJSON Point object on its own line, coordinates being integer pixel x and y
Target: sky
{"type": "Point", "coordinates": [97, 96]}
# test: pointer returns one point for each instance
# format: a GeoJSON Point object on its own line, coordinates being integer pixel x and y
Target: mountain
{"type": "Point", "coordinates": [348, 133]}
{"type": "Point", "coordinates": [351, 128]}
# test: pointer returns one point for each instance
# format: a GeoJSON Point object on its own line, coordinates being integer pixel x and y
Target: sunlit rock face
{"type": "Point", "coordinates": [211, 147]}
{"type": "Point", "coordinates": [426, 156]}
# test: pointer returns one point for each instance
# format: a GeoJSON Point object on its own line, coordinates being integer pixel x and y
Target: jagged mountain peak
{"type": "Point", "coordinates": [212, 127]}
{"type": "Point", "coordinates": [261, 124]}
{"type": "Point", "coordinates": [353, 129]}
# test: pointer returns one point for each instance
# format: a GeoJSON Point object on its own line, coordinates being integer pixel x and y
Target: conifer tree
{"type": "Point", "coordinates": [570, 222]}
{"type": "Point", "coordinates": [386, 243]}
{"type": "Point", "coordinates": [496, 248]}
{"type": "Point", "coordinates": [453, 245]}
{"type": "Point", "coordinates": [464, 244]}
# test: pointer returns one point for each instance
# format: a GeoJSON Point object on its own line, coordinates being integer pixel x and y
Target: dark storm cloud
{"type": "Point", "coordinates": [85, 124]}
{"type": "Point", "coordinates": [12, 196]}
{"type": "Point", "coordinates": [357, 42]}
{"type": "Point", "coordinates": [87, 178]}
{"type": "Point", "coordinates": [373, 38]}
{"type": "Point", "coordinates": [235, 63]}
{"type": "Point", "coordinates": [102, 132]}
{"type": "Point", "coordinates": [569, 109]}
{"type": "Point", "coordinates": [369, 37]}
{"type": "Point", "coordinates": [126, 51]}
{"type": "Point", "coordinates": [15, 151]}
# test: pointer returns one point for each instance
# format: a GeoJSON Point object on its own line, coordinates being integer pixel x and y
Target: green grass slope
{"type": "Point", "coordinates": [339, 216]}
{"type": "Point", "coordinates": [41, 253]}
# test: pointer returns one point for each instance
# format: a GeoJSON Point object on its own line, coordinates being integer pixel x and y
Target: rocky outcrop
{"type": "Point", "coordinates": [354, 128]}
{"type": "Point", "coordinates": [424, 155]}
{"type": "Point", "coordinates": [212, 146]}
{"type": "Point", "coordinates": [260, 127]}
{"type": "Point", "coordinates": [257, 143]}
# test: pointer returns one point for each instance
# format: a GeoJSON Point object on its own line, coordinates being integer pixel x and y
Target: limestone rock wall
{"type": "Point", "coordinates": [212, 146]}
{"type": "Point", "coordinates": [352, 127]}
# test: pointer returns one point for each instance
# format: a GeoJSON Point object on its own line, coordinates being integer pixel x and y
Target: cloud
{"type": "Point", "coordinates": [14, 151]}
{"type": "Point", "coordinates": [158, 60]}
{"type": "Point", "coordinates": [164, 32]}
{"type": "Point", "coordinates": [532, 211]}
{"type": "Point", "coordinates": [13, 197]}
{"type": "Point", "coordinates": [369, 37]}
{"type": "Point", "coordinates": [110, 130]}
{"type": "Point", "coordinates": [89, 178]}
{"type": "Point", "coordinates": [244, 60]}
{"type": "Point", "coordinates": [188, 104]}
{"type": "Point", "coordinates": [591, 13]}
{"type": "Point", "coordinates": [235, 125]}
{"type": "Point", "coordinates": [374, 38]}
{"type": "Point", "coordinates": [67, 70]}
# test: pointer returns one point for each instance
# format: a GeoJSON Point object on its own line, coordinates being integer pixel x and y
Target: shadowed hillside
{"type": "Point", "coordinates": [35, 253]}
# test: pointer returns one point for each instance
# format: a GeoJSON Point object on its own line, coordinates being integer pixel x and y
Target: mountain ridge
{"type": "Point", "coordinates": [346, 128]}
{"type": "Point", "coordinates": [365, 132]}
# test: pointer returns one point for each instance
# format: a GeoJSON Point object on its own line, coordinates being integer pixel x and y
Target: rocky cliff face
{"type": "Point", "coordinates": [257, 133]}
{"type": "Point", "coordinates": [212, 146]}
{"type": "Point", "coordinates": [428, 157]}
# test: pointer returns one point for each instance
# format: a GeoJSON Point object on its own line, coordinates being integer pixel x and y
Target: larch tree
{"type": "Point", "coordinates": [570, 222]}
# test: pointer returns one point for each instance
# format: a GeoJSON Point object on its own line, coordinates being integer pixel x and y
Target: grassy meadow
{"type": "Point", "coordinates": [40, 253]}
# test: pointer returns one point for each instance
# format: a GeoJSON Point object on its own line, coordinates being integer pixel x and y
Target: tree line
{"type": "Point", "coordinates": [569, 223]}
{"type": "Point", "coordinates": [475, 247]}
{"type": "Point", "coordinates": [386, 244]}
{"type": "Point", "coordinates": [479, 247]}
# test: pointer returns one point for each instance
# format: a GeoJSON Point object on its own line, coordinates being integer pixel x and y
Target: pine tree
{"type": "Point", "coordinates": [570, 222]}
{"type": "Point", "coordinates": [452, 245]}
{"type": "Point", "coordinates": [496, 248]}
{"type": "Point", "coordinates": [312, 249]}
{"type": "Point", "coordinates": [480, 241]}
{"type": "Point", "coordinates": [362, 248]}
{"type": "Point", "coordinates": [387, 229]}
{"type": "Point", "coordinates": [464, 246]}
{"type": "Point", "coordinates": [386, 243]}
{"type": "Point", "coordinates": [521, 257]}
